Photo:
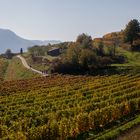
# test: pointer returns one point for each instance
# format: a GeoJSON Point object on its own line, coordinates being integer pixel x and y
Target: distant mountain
{"type": "Point", "coordinates": [9, 40]}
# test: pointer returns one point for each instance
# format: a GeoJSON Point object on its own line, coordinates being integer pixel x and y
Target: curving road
{"type": "Point", "coordinates": [28, 67]}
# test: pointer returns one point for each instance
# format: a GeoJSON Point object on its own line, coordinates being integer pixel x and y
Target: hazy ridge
{"type": "Point", "coordinates": [9, 39]}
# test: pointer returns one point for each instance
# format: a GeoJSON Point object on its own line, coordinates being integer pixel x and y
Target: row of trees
{"type": "Point", "coordinates": [44, 49]}
{"type": "Point", "coordinates": [9, 54]}
{"type": "Point", "coordinates": [129, 38]}
{"type": "Point", "coordinates": [84, 54]}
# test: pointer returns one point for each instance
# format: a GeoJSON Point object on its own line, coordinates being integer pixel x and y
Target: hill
{"type": "Point", "coordinates": [10, 40]}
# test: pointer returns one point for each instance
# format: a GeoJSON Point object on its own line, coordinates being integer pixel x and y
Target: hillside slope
{"type": "Point", "coordinates": [10, 40]}
{"type": "Point", "coordinates": [16, 71]}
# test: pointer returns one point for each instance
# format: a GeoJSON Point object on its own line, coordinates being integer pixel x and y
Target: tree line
{"type": "Point", "coordinates": [85, 54]}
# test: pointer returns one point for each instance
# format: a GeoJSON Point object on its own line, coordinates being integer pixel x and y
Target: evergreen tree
{"type": "Point", "coordinates": [21, 51]}
{"type": "Point", "coordinates": [85, 41]}
{"type": "Point", "coordinates": [8, 54]}
{"type": "Point", "coordinates": [131, 31]}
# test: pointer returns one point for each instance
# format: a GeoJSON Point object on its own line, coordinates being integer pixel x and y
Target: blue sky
{"type": "Point", "coordinates": [65, 19]}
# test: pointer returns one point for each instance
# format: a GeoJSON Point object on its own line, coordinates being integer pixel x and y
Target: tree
{"type": "Point", "coordinates": [101, 48]}
{"type": "Point", "coordinates": [115, 44]}
{"type": "Point", "coordinates": [8, 54]}
{"type": "Point", "coordinates": [37, 50]}
{"type": "Point", "coordinates": [85, 41]}
{"type": "Point", "coordinates": [131, 31]}
{"type": "Point", "coordinates": [80, 56]}
{"type": "Point", "coordinates": [87, 59]}
{"type": "Point", "coordinates": [111, 50]}
{"type": "Point", "coordinates": [21, 51]}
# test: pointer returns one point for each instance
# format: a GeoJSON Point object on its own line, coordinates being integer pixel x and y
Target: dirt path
{"type": "Point", "coordinates": [132, 134]}
{"type": "Point", "coordinates": [28, 67]}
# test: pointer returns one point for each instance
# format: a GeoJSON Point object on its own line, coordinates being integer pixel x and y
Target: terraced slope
{"type": "Point", "coordinates": [61, 107]}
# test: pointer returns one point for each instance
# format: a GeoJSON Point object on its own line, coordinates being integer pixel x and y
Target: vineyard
{"type": "Point", "coordinates": [63, 107]}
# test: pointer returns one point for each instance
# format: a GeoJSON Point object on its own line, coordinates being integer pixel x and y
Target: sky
{"type": "Point", "coordinates": [65, 19]}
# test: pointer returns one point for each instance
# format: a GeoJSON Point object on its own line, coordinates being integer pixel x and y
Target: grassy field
{"type": "Point", "coordinates": [3, 67]}
{"type": "Point", "coordinates": [133, 58]}
{"type": "Point", "coordinates": [49, 57]}
{"type": "Point", "coordinates": [37, 66]}
{"type": "Point", "coordinates": [17, 71]}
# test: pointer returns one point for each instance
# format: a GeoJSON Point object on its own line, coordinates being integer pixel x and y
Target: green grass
{"type": "Point", "coordinates": [133, 58]}
{"type": "Point", "coordinates": [38, 66]}
{"type": "Point", "coordinates": [16, 71]}
{"type": "Point", "coordinates": [3, 67]}
{"type": "Point", "coordinates": [49, 57]}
